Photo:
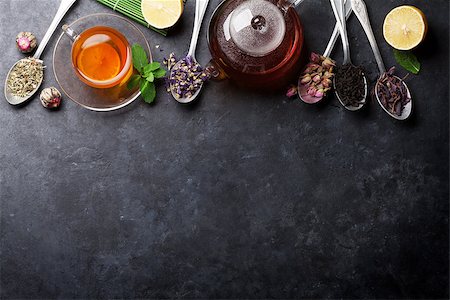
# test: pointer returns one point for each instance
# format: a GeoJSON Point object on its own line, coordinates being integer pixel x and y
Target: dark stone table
{"type": "Point", "coordinates": [242, 195]}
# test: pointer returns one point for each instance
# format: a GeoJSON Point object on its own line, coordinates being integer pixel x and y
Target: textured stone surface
{"type": "Point", "coordinates": [241, 195]}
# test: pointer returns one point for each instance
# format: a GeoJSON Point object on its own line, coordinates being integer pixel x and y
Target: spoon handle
{"type": "Point", "coordinates": [338, 10]}
{"type": "Point", "coordinates": [360, 10]}
{"type": "Point", "coordinates": [200, 8]}
{"type": "Point", "coordinates": [335, 34]}
{"type": "Point", "coordinates": [63, 8]}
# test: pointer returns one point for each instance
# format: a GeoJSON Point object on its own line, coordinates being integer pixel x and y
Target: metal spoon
{"type": "Point", "coordinates": [359, 7]}
{"type": "Point", "coordinates": [63, 8]}
{"type": "Point", "coordinates": [200, 8]}
{"type": "Point", "coordinates": [339, 11]}
{"type": "Point", "coordinates": [302, 94]}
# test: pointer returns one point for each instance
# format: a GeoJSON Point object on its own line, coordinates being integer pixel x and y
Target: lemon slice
{"type": "Point", "coordinates": [99, 62]}
{"type": "Point", "coordinates": [405, 27]}
{"type": "Point", "coordinates": [162, 14]}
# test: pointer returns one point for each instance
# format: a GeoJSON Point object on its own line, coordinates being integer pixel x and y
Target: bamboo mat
{"type": "Point", "coordinates": [131, 9]}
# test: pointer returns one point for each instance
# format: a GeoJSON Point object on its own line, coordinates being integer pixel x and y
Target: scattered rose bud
{"type": "Point", "coordinates": [26, 42]}
{"type": "Point", "coordinates": [292, 91]}
{"type": "Point", "coordinates": [50, 98]}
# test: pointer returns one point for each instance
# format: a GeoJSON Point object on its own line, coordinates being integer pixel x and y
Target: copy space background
{"type": "Point", "coordinates": [242, 195]}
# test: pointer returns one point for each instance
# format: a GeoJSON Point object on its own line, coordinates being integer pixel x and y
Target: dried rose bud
{"type": "Point", "coordinates": [316, 78]}
{"type": "Point", "coordinates": [327, 75]}
{"type": "Point", "coordinates": [292, 91]}
{"type": "Point", "coordinates": [311, 91]}
{"type": "Point", "coordinates": [315, 57]}
{"type": "Point", "coordinates": [306, 79]}
{"type": "Point", "coordinates": [50, 98]}
{"type": "Point", "coordinates": [326, 82]}
{"type": "Point", "coordinates": [26, 42]}
{"type": "Point", "coordinates": [328, 63]}
{"type": "Point", "coordinates": [319, 93]}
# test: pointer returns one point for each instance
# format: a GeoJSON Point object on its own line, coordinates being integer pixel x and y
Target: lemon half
{"type": "Point", "coordinates": [405, 27]}
{"type": "Point", "coordinates": [162, 14]}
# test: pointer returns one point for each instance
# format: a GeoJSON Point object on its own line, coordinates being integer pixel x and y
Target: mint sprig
{"type": "Point", "coordinates": [148, 72]}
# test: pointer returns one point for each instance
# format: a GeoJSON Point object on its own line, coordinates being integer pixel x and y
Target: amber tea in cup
{"type": "Point", "coordinates": [101, 56]}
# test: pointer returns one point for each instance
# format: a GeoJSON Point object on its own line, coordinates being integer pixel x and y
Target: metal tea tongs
{"type": "Point", "coordinates": [62, 10]}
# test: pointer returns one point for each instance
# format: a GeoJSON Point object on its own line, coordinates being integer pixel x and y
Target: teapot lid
{"type": "Point", "coordinates": [257, 27]}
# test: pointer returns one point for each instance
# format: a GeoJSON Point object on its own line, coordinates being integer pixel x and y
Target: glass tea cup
{"type": "Point", "coordinates": [101, 56]}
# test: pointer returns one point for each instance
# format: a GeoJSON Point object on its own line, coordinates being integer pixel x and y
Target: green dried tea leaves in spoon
{"type": "Point", "coordinates": [25, 77]}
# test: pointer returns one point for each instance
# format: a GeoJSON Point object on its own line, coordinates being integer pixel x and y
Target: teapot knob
{"type": "Point", "coordinates": [258, 22]}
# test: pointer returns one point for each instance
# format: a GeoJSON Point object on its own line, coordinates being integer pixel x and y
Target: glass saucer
{"type": "Point", "coordinates": [89, 97]}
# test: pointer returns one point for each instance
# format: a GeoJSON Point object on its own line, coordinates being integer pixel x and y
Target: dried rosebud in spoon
{"type": "Point", "coordinates": [315, 80]}
{"type": "Point", "coordinates": [26, 42]}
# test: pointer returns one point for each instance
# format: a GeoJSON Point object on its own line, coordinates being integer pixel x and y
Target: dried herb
{"type": "Point", "coordinates": [50, 98]}
{"type": "Point", "coordinates": [317, 75]}
{"type": "Point", "coordinates": [350, 85]}
{"type": "Point", "coordinates": [25, 77]}
{"type": "Point", "coordinates": [26, 42]}
{"type": "Point", "coordinates": [292, 91]}
{"type": "Point", "coordinates": [148, 72]}
{"type": "Point", "coordinates": [407, 60]}
{"type": "Point", "coordinates": [392, 92]}
{"type": "Point", "coordinates": [186, 76]}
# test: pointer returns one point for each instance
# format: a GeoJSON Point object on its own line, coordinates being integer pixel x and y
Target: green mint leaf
{"type": "Point", "coordinates": [152, 67]}
{"type": "Point", "coordinates": [148, 91]}
{"type": "Point", "coordinates": [147, 73]}
{"type": "Point", "coordinates": [150, 77]}
{"type": "Point", "coordinates": [140, 59]}
{"type": "Point", "coordinates": [407, 60]}
{"type": "Point", "coordinates": [160, 73]}
{"type": "Point", "coordinates": [133, 82]}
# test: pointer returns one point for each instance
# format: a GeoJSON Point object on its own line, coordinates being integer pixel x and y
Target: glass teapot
{"type": "Point", "coordinates": [256, 43]}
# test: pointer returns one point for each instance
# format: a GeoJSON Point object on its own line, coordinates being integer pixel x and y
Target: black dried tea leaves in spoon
{"type": "Point", "coordinates": [350, 84]}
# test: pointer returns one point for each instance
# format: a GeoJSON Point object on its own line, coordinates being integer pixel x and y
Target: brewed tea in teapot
{"type": "Point", "coordinates": [255, 43]}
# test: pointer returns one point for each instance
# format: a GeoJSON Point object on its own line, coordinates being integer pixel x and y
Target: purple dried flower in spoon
{"type": "Point", "coordinates": [186, 76]}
